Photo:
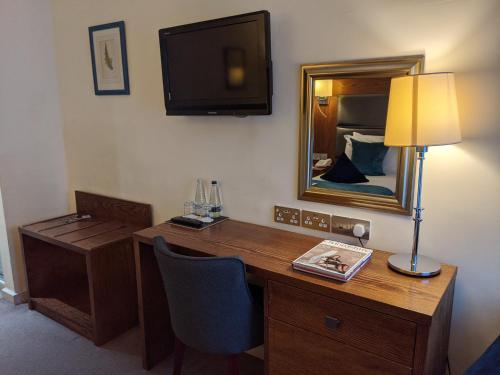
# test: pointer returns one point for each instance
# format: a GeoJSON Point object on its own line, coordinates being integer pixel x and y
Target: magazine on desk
{"type": "Point", "coordinates": [333, 259]}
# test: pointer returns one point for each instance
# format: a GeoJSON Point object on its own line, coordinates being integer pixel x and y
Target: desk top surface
{"type": "Point", "coordinates": [268, 253]}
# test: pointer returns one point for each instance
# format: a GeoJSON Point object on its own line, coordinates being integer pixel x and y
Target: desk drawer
{"type": "Point", "coordinates": [368, 330]}
{"type": "Point", "coordinates": [294, 351]}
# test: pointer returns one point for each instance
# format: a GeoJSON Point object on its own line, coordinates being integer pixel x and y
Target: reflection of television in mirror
{"type": "Point", "coordinates": [218, 67]}
{"type": "Point", "coordinates": [369, 111]}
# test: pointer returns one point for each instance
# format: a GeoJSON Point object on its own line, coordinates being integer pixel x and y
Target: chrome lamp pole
{"type": "Point", "coordinates": [414, 264]}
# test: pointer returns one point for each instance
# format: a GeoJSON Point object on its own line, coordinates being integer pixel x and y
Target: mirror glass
{"type": "Point", "coordinates": [343, 156]}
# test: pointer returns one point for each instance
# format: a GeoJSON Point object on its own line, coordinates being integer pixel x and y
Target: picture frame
{"type": "Point", "coordinates": [108, 52]}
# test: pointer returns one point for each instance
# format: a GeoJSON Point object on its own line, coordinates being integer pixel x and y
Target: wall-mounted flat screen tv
{"type": "Point", "coordinates": [218, 67]}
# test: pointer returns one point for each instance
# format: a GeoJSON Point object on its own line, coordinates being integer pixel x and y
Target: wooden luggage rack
{"type": "Point", "coordinates": [81, 270]}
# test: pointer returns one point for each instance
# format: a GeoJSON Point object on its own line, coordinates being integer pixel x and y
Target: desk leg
{"type": "Point", "coordinates": [156, 332]}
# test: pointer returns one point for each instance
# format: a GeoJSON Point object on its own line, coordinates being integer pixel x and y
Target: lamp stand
{"type": "Point", "coordinates": [414, 264]}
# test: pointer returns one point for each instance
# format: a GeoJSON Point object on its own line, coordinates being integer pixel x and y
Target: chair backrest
{"type": "Point", "coordinates": [211, 308]}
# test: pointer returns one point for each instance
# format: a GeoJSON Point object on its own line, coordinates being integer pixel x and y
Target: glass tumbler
{"type": "Point", "coordinates": [188, 208]}
{"type": "Point", "coordinates": [205, 210]}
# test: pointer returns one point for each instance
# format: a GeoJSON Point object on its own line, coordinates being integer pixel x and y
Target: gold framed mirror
{"type": "Point", "coordinates": [342, 158]}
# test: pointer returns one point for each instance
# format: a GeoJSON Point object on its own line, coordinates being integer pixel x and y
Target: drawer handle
{"type": "Point", "coordinates": [331, 322]}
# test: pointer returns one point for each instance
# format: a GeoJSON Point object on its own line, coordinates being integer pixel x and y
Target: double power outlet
{"type": "Point", "coordinates": [320, 221]}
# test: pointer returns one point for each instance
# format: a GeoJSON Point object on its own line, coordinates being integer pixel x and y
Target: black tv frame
{"type": "Point", "coordinates": [264, 108]}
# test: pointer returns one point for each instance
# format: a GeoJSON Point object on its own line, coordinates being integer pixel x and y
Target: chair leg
{"type": "Point", "coordinates": [179, 348]}
{"type": "Point", "coordinates": [233, 364]}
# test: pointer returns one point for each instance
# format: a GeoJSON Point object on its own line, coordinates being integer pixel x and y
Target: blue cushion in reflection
{"type": "Point", "coordinates": [369, 157]}
{"type": "Point", "coordinates": [344, 171]}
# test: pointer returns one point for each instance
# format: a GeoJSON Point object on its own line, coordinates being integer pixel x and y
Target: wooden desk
{"type": "Point", "coordinates": [81, 273]}
{"type": "Point", "coordinates": [389, 323]}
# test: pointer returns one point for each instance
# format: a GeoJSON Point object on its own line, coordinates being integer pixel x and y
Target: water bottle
{"type": "Point", "coordinates": [200, 198]}
{"type": "Point", "coordinates": [215, 200]}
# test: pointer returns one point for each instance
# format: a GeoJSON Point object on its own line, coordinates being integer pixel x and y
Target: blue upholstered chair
{"type": "Point", "coordinates": [211, 307]}
{"type": "Point", "coordinates": [489, 362]}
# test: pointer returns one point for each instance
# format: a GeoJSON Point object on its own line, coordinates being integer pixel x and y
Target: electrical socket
{"type": "Point", "coordinates": [316, 220]}
{"type": "Point", "coordinates": [320, 156]}
{"type": "Point", "coordinates": [287, 215]}
{"type": "Point", "coordinates": [345, 225]}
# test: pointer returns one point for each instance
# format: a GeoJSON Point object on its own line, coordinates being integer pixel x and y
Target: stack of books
{"type": "Point", "coordinates": [333, 259]}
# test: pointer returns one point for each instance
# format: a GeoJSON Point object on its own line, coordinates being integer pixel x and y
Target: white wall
{"type": "Point", "coordinates": [125, 145]}
{"type": "Point", "coordinates": [32, 168]}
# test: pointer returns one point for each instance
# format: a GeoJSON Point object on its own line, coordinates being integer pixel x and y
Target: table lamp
{"type": "Point", "coordinates": [422, 112]}
{"type": "Point", "coordinates": [323, 90]}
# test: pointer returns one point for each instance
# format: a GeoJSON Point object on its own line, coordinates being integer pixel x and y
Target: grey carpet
{"type": "Point", "coordinates": [31, 343]}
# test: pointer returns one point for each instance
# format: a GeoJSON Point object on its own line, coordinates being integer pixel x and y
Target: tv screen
{"type": "Point", "coordinates": [218, 67]}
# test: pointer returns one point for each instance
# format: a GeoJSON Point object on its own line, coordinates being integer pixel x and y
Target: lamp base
{"type": "Point", "coordinates": [426, 267]}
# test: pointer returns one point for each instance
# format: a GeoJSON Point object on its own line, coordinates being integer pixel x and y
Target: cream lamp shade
{"type": "Point", "coordinates": [422, 111]}
{"type": "Point", "coordinates": [323, 87]}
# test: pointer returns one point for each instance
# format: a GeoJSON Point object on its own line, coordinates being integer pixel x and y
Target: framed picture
{"type": "Point", "coordinates": [109, 59]}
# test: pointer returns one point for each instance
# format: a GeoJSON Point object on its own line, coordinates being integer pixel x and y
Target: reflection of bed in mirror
{"type": "Point", "coordinates": [338, 100]}
{"type": "Point", "coordinates": [380, 185]}
{"type": "Point", "coordinates": [362, 118]}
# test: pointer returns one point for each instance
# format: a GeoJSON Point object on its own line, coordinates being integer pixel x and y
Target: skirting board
{"type": "Point", "coordinates": [13, 297]}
